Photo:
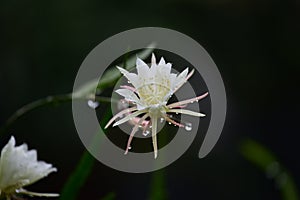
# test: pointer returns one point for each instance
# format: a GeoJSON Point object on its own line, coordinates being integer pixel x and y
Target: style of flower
{"type": "Point", "coordinates": [18, 168]}
{"type": "Point", "coordinates": [151, 89]}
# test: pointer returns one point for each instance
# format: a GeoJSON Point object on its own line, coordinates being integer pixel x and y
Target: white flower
{"type": "Point", "coordinates": [18, 168]}
{"type": "Point", "coordinates": [152, 88]}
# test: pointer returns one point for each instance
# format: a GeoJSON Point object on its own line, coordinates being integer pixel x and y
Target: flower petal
{"type": "Point", "coordinates": [187, 112]}
{"type": "Point", "coordinates": [36, 194]}
{"type": "Point", "coordinates": [131, 77]}
{"type": "Point", "coordinates": [153, 60]}
{"type": "Point", "coordinates": [162, 61]}
{"type": "Point", "coordinates": [128, 95]}
{"type": "Point", "coordinates": [142, 69]}
{"type": "Point", "coordinates": [19, 167]}
{"type": "Point", "coordinates": [129, 117]}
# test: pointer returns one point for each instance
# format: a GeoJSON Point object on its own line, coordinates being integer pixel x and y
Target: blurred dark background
{"type": "Point", "coordinates": [255, 44]}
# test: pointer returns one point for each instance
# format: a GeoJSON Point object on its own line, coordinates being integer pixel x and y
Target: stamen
{"type": "Point", "coordinates": [127, 110]}
{"type": "Point", "coordinates": [177, 104]}
{"type": "Point", "coordinates": [129, 117]}
{"type": "Point", "coordinates": [174, 122]}
{"type": "Point", "coordinates": [134, 130]}
{"type": "Point", "coordinates": [128, 87]}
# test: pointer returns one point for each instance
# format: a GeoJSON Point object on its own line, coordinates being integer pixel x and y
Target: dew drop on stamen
{"type": "Point", "coordinates": [93, 104]}
{"type": "Point", "coordinates": [188, 126]}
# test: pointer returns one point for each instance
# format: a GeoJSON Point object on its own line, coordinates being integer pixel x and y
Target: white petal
{"type": "Point", "coordinates": [128, 94]}
{"type": "Point", "coordinates": [19, 167]}
{"type": "Point", "coordinates": [182, 75]}
{"type": "Point", "coordinates": [162, 61]}
{"type": "Point", "coordinates": [140, 62]}
{"type": "Point", "coordinates": [187, 112]}
{"type": "Point", "coordinates": [153, 60]}
{"type": "Point", "coordinates": [142, 68]}
{"type": "Point", "coordinates": [131, 77]}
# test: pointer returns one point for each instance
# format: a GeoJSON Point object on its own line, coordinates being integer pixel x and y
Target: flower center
{"type": "Point", "coordinates": [152, 94]}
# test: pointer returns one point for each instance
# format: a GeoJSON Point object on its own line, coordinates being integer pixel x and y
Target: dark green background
{"type": "Point", "coordinates": [255, 44]}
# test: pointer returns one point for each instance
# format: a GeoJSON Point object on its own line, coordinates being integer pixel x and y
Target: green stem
{"type": "Point", "coordinates": [47, 101]}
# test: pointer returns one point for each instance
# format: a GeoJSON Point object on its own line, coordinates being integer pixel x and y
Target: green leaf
{"type": "Point", "coordinates": [268, 163]}
{"type": "Point", "coordinates": [78, 177]}
{"type": "Point", "coordinates": [82, 171]}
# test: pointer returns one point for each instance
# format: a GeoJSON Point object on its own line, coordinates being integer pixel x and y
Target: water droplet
{"type": "Point", "coordinates": [192, 101]}
{"type": "Point", "coordinates": [162, 120]}
{"type": "Point", "coordinates": [197, 100]}
{"type": "Point", "coordinates": [176, 113]}
{"type": "Point", "coordinates": [170, 123]}
{"type": "Point", "coordinates": [128, 81]}
{"type": "Point", "coordinates": [129, 147]}
{"type": "Point", "coordinates": [145, 133]}
{"type": "Point", "coordinates": [188, 126]}
{"type": "Point", "coordinates": [93, 104]}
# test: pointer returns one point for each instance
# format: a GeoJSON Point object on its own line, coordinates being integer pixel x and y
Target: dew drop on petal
{"type": "Point", "coordinates": [122, 104]}
{"type": "Point", "coordinates": [188, 126]}
{"type": "Point", "coordinates": [162, 120]}
{"type": "Point", "coordinates": [93, 104]}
